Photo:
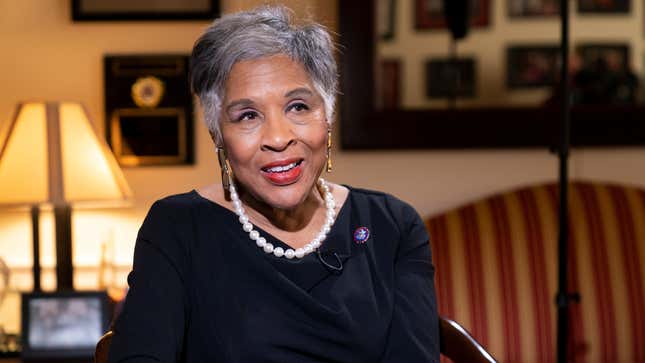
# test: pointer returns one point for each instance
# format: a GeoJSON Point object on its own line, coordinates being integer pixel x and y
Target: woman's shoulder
{"type": "Point", "coordinates": [398, 209]}
{"type": "Point", "coordinates": [170, 211]}
{"type": "Point", "coordinates": [175, 204]}
{"type": "Point", "coordinates": [378, 197]}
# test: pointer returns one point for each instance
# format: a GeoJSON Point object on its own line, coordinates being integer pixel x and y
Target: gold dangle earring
{"type": "Point", "coordinates": [329, 166]}
{"type": "Point", "coordinates": [226, 175]}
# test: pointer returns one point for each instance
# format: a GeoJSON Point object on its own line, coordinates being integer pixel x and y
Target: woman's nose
{"type": "Point", "coordinates": [278, 134]}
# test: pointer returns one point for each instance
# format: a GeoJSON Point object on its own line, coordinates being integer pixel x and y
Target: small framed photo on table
{"type": "Point", "coordinates": [429, 14]}
{"type": "Point", "coordinates": [532, 66]}
{"type": "Point", "coordinates": [63, 325]}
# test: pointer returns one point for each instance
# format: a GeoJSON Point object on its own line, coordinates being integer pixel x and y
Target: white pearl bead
{"type": "Point", "coordinates": [315, 245]}
{"type": "Point", "coordinates": [261, 242]}
{"type": "Point", "coordinates": [243, 219]}
{"type": "Point", "coordinates": [326, 229]}
{"type": "Point", "coordinates": [278, 252]}
{"type": "Point", "coordinates": [330, 204]}
{"type": "Point", "coordinates": [268, 248]}
{"type": "Point", "coordinates": [247, 227]}
{"type": "Point", "coordinates": [308, 249]}
{"type": "Point", "coordinates": [254, 235]}
{"type": "Point", "coordinates": [289, 253]}
{"type": "Point", "coordinates": [300, 253]}
{"type": "Point", "coordinates": [329, 221]}
{"type": "Point", "coordinates": [237, 204]}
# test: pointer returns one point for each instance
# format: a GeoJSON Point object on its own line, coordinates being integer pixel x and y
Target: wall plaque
{"type": "Point", "coordinates": [149, 109]}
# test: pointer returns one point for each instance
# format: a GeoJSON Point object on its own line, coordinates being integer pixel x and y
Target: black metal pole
{"type": "Point", "coordinates": [562, 298]}
{"type": "Point", "coordinates": [452, 103]}
{"type": "Point", "coordinates": [35, 238]}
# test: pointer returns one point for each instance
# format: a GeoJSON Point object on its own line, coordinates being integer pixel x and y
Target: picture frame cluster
{"type": "Point", "coordinates": [526, 66]}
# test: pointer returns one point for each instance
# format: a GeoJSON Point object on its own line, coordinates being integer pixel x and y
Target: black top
{"type": "Point", "coordinates": [202, 291]}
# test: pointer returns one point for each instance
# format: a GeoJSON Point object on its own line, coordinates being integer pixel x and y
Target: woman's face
{"type": "Point", "coordinates": [274, 130]}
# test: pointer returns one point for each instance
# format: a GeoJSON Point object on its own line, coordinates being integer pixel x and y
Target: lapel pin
{"type": "Point", "coordinates": [361, 234]}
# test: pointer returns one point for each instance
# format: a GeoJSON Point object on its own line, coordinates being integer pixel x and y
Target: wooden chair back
{"type": "Point", "coordinates": [457, 344]}
{"type": "Point", "coordinates": [103, 348]}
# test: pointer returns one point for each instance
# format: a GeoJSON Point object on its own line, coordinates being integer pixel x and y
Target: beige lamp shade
{"type": "Point", "coordinates": [50, 153]}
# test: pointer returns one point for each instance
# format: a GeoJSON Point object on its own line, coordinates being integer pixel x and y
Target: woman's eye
{"type": "Point", "coordinates": [298, 107]}
{"type": "Point", "coordinates": [246, 116]}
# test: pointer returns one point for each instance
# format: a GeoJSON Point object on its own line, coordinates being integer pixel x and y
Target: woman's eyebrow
{"type": "Point", "coordinates": [244, 102]}
{"type": "Point", "coordinates": [300, 91]}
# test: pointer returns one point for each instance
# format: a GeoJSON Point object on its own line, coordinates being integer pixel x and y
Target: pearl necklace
{"type": "Point", "coordinates": [261, 242]}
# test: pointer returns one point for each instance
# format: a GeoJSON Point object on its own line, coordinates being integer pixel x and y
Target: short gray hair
{"type": "Point", "coordinates": [258, 33]}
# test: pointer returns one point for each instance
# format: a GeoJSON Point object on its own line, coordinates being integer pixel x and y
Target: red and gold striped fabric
{"type": "Point", "coordinates": [496, 262]}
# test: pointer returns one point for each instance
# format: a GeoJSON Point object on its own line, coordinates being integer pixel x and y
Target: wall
{"type": "Point", "coordinates": [46, 56]}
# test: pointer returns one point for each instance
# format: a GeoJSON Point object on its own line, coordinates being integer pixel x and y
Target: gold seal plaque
{"type": "Point", "coordinates": [147, 91]}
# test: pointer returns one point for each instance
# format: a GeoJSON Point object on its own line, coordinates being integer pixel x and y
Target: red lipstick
{"type": "Point", "coordinates": [283, 172]}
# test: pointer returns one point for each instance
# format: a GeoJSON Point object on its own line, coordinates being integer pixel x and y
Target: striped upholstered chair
{"type": "Point", "coordinates": [496, 263]}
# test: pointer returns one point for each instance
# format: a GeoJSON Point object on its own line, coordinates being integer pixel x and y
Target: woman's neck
{"type": "Point", "coordinates": [292, 220]}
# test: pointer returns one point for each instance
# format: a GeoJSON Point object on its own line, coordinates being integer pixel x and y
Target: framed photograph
{"type": "Point", "coordinates": [385, 15]}
{"type": "Point", "coordinates": [429, 14]}
{"type": "Point", "coordinates": [532, 66]}
{"type": "Point", "coordinates": [63, 325]}
{"type": "Point", "coordinates": [604, 6]}
{"type": "Point", "coordinates": [614, 57]}
{"type": "Point", "coordinates": [389, 84]}
{"type": "Point", "coordinates": [89, 10]}
{"type": "Point", "coordinates": [450, 78]}
{"type": "Point", "coordinates": [149, 109]}
{"type": "Point", "coordinates": [533, 8]}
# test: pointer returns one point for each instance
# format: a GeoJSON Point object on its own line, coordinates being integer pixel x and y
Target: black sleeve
{"type": "Point", "coordinates": [150, 327]}
{"type": "Point", "coordinates": [414, 330]}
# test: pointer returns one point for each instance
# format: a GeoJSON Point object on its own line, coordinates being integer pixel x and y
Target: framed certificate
{"type": "Point", "coordinates": [149, 109]}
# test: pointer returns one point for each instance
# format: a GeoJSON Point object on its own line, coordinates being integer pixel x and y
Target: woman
{"type": "Point", "coordinates": [275, 264]}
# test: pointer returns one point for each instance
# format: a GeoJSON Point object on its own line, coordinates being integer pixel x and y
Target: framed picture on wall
{"type": "Point", "coordinates": [389, 84]}
{"type": "Point", "coordinates": [614, 57]}
{"type": "Point", "coordinates": [604, 6]}
{"type": "Point", "coordinates": [89, 10]}
{"type": "Point", "coordinates": [385, 15]}
{"type": "Point", "coordinates": [605, 76]}
{"type": "Point", "coordinates": [149, 109]}
{"type": "Point", "coordinates": [533, 8]}
{"type": "Point", "coordinates": [429, 14]}
{"type": "Point", "coordinates": [450, 78]}
{"type": "Point", "coordinates": [532, 66]}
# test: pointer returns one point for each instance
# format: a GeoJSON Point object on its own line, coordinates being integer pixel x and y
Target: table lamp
{"type": "Point", "coordinates": [50, 154]}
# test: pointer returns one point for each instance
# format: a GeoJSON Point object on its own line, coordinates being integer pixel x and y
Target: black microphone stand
{"type": "Point", "coordinates": [563, 297]}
